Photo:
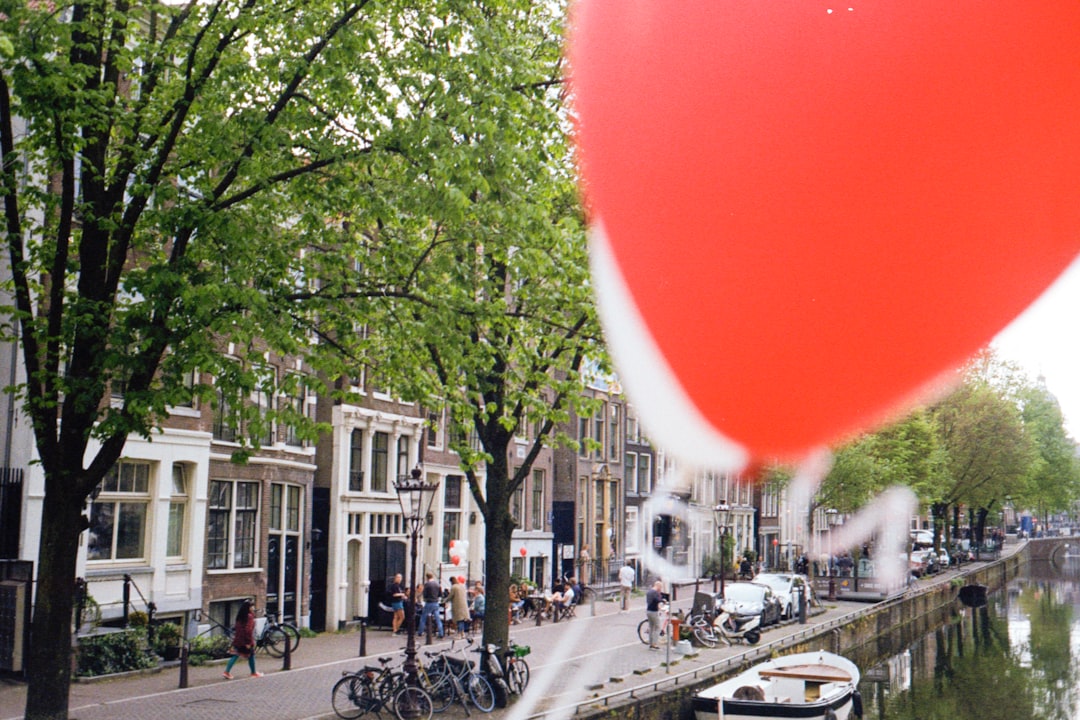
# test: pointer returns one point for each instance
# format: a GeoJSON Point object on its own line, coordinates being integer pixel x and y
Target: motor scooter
{"type": "Point", "coordinates": [731, 626]}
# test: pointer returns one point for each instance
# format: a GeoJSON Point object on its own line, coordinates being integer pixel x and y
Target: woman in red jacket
{"type": "Point", "coordinates": [243, 640]}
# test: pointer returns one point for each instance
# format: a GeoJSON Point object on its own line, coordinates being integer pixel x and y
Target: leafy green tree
{"type": "Point", "coordinates": [179, 176]}
{"type": "Point", "coordinates": [988, 454]}
{"type": "Point", "coordinates": [1053, 483]}
{"type": "Point", "coordinates": [491, 314]}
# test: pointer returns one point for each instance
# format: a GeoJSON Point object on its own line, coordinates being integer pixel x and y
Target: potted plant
{"type": "Point", "coordinates": [167, 637]}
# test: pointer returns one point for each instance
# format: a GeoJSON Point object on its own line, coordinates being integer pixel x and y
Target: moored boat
{"type": "Point", "coordinates": [812, 686]}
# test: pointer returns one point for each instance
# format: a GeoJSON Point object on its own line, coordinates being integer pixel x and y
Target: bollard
{"type": "Point", "coordinates": [539, 615]}
{"type": "Point", "coordinates": [429, 631]}
{"type": "Point", "coordinates": [674, 592]}
{"type": "Point", "coordinates": [363, 638]}
{"type": "Point", "coordinates": [286, 660]}
{"type": "Point", "coordinates": [832, 588]}
{"type": "Point", "coordinates": [802, 606]}
{"type": "Point", "coordinates": [183, 665]}
{"type": "Point", "coordinates": [592, 605]}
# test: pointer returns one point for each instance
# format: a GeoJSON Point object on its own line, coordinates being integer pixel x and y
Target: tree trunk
{"type": "Point", "coordinates": [498, 531]}
{"type": "Point", "coordinates": [50, 653]}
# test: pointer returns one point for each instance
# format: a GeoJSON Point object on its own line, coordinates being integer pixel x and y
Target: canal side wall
{"type": "Point", "coordinates": [867, 634]}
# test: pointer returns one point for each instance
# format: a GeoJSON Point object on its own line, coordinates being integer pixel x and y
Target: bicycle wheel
{"type": "Point", "coordinates": [480, 692]}
{"type": "Point", "coordinates": [293, 634]}
{"type": "Point", "coordinates": [273, 641]}
{"type": "Point", "coordinates": [352, 697]}
{"type": "Point", "coordinates": [412, 703]}
{"type": "Point", "coordinates": [643, 631]}
{"type": "Point", "coordinates": [518, 676]}
{"type": "Point", "coordinates": [704, 634]}
{"type": "Point", "coordinates": [440, 687]}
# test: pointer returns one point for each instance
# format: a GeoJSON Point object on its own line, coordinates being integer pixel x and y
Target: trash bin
{"type": "Point", "coordinates": [675, 623]}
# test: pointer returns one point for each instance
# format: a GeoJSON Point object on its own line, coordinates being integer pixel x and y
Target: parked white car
{"type": "Point", "coordinates": [786, 587]}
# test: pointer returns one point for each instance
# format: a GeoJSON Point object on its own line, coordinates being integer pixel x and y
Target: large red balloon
{"type": "Point", "coordinates": [805, 214]}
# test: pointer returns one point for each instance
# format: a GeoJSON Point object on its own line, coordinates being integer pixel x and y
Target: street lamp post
{"type": "Point", "coordinates": [415, 497]}
{"type": "Point", "coordinates": [831, 514]}
{"type": "Point", "coordinates": [721, 512]}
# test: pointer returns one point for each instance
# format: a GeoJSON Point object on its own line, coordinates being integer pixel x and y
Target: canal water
{"type": "Point", "coordinates": [1016, 658]}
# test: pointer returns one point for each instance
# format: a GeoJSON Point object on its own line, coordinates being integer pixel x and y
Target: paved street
{"type": "Point", "coordinates": [595, 653]}
{"type": "Point", "coordinates": [590, 649]}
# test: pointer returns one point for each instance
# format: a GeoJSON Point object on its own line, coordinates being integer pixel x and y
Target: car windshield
{"type": "Point", "coordinates": [745, 593]}
{"type": "Point", "coordinates": [777, 582]}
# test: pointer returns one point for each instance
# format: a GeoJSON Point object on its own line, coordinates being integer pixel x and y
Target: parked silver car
{"type": "Point", "coordinates": [752, 599]}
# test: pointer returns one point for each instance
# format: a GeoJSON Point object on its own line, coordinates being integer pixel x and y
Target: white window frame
{"type": "Point", "coordinates": [125, 489]}
{"type": "Point", "coordinates": [176, 533]}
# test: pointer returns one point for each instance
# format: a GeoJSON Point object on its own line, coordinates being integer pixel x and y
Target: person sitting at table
{"type": "Point", "coordinates": [517, 604]}
{"type": "Point", "coordinates": [562, 600]}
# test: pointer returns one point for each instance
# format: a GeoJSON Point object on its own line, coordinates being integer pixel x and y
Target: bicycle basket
{"type": "Point", "coordinates": [521, 650]}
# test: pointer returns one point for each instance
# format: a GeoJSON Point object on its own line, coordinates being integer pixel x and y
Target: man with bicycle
{"type": "Point", "coordinates": [653, 597]}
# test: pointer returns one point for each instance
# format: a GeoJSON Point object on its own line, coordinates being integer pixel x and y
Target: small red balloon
{"type": "Point", "coordinates": [523, 552]}
{"type": "Point", "coordinates": [806, 215]}
{"type": "Point", "coordinates": [461, 579]}
{"type": "Point", "coordinates": [456, 559]}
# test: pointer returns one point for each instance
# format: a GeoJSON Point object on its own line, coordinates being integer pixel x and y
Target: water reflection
{"type": "Point", "coordinates": [1011, 659]}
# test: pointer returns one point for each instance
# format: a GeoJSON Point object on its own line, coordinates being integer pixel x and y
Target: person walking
{"type": "Point", "coordinates": [459, 605]}
{"type": "Point", "coordinates": [430, 594]}
{"type": "Point", "coordinates": [243, 641]}
{"type": "Point", "coordinates": [653, 597]}
{"type": "Point", "coordinates": [397, 603]}
{"type": "Point", "coordinates": [626, 584]}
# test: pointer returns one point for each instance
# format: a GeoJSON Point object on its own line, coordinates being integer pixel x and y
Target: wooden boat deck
{"type": "Point", "coordinates": [814, 673]}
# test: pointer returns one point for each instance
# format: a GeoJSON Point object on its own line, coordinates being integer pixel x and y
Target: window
{"type": "Point", "coordinates": [178, 501]}
{"type": "Point", "coordinates": [262, 399]}
{"type": "Point", "coordinates": [402, 456]}
{"type": "Point", "coordinates": [189, 380]}
{"type": "Point", "coordinates": [433, 430]}
{"type": "Point", "coordinates": [118, 515]}
{"type": "Point", "coordinates": [356, 461]}
{"type": "Point", "coordinates": [517, 505]}
{"type": "Point", "coordinates": [230, 541]}
{"type": "Point", "coordinates": [583, 435]}
{"type": "Point", "coordinates": [631, 529]}
{"type": "Point", "coordinates": [451, 531]}
{"type": "Point", "coordinates": [538, 500]}
{"type": "Point", "coordinates": [598, 434]}
{"type": "Point", "coordinates": [614, 436]}
{"type": "Point", "coordinates": [380, 460]}
{"type": "Point", "coordinates": [631, 473]}
{"type": "Point", "coordinates": [295, 404]}
{"type": "Point", "coordinates": [644, 473]}
{"type": "Point", "coordinates": [452, 492]}
{"type": "Point", "coordinates": [223, 422]}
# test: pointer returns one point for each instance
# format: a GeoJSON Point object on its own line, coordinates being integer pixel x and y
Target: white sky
{"type": "Point", "coordinates": [1045, 340]}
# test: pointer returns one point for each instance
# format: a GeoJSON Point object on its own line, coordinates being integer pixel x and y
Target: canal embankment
{"type": "Point", "coordinates": [860, 631]}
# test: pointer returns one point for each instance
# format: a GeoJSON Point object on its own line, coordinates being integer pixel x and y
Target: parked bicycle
{"type": "Point", "coordinates": [517, 670]}
{"type": "Point", "coordinates": [273, 639]}
{"type": "Point", "coordinates": [665, 624]}
{"type": "Point", "coordinates": [290, 630]}
{"type": "Point", "coordinates": [448, 679]}
{"type": "Point", "coordinates": [373, 689]}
